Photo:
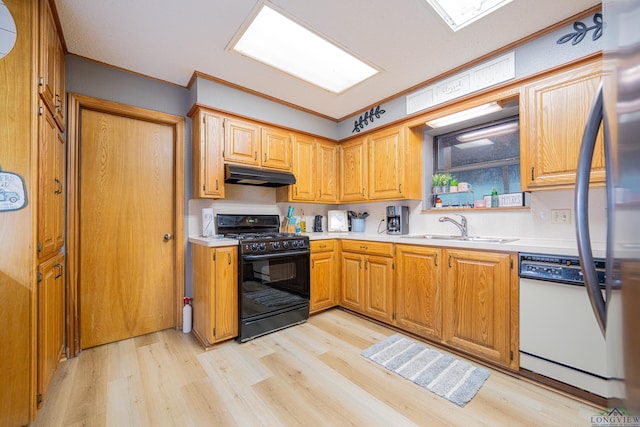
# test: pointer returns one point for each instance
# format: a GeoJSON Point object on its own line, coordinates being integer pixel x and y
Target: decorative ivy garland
{"type": "Point", "coordinates": [582, 30]}
{"type": "Point", "coordinates": [367, 117]}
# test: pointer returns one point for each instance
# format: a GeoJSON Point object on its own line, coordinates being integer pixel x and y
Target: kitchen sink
{"type": "Point", "coordinates": [481, 239]}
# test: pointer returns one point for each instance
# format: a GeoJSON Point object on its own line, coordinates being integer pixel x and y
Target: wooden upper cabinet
{"type": "Point", "coordinates": [553, 114]}
{"type": "Point", "coordinates": [276, 149]}
{"type": "Point", "coordinates": [480, 305]}
{"type": "Point", "coordinates": [207, 143]}
{"type": "Point", "coordinates": [315, 166]}
{"type": "Point", "coordinates": [51, 178]}
{"type": "Point", "coordinates": [51, 79]}
{"type": "Point", "coordinates": [386, 163]}
{"type": "Point", "coordinates": [241, 142]}
{"type": "Point", "coordinates": [250, 144]}
{"type": "Point", "coordinates": [327, 175]}
{"type": "Point", "coordinates": [353, 169]}
{"type": "Point", "coordinates": [304, 169]}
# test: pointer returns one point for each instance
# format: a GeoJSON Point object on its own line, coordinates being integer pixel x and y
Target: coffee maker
{"type": "Point", "coordinates": [397, 220]}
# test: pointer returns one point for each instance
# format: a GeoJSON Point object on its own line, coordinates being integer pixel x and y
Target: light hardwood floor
{"type": "Point", "coordinates": [308, 375]}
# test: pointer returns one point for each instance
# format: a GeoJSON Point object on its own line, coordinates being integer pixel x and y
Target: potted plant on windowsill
{"type": "Point", "coordinates": [436, 180]}
{"type": "Point", "coordinates": [446, 180]}
{"type": "Point", "coordinates": [453, 186]}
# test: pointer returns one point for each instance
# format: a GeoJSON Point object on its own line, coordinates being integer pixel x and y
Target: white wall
{"type": "Point", "coordinates": [531, 223]}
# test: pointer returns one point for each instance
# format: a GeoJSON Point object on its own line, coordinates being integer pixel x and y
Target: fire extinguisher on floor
{"type": "Point", "coordinates": [186, 315]}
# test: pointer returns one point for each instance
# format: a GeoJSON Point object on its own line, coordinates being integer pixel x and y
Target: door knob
{"type": "Point", "coordinates": [167, 237]}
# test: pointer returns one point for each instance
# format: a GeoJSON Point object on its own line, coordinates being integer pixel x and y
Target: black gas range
{"type": "Point", "coordinates": [273, 274]}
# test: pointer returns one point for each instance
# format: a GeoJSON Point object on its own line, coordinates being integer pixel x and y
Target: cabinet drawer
{"type": "Point", "coordinates": [368, 247]}
{"type": "Point", "coordinates": [323, 245]}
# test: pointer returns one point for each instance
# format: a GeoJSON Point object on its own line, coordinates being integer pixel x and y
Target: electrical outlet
{"type": "Point", "coordinates": [560, 216]}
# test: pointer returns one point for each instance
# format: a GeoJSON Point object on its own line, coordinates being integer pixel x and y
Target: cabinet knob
{"type": "Point", "coordinates": [168, 237]}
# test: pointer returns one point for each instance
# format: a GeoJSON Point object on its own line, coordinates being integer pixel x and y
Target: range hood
{"type": "Point", "coordinates": [234, 174]}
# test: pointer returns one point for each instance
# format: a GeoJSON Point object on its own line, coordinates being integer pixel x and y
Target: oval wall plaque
{"type": "Point", "coordinates": [7, 31]}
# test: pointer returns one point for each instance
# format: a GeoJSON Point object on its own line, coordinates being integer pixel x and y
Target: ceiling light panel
{"type": "Point", "coordinates": [282, 43]}
{"type": "Point", "coordinates": [460, 13]}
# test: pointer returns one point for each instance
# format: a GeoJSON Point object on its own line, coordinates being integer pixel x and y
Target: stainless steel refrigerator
{"type": "Point", "coordinates": [617, 108]}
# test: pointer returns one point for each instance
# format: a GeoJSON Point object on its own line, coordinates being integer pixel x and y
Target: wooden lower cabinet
{"type": "Point", "coordinates": [480, 305]}
{"type": "Point", "coordinates": [324, 275]}
{"type": "Point", "coordinates": [367, 278]}
{"type": "Point", "coordinates": [50, 334]}
{"type": "Point", "coordinates": [419, 290]}
{"type": "Point", "coordinates": [215, 293]}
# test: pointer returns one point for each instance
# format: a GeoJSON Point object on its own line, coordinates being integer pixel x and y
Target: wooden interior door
{"type": "Point", "coordinates": [126, 218]}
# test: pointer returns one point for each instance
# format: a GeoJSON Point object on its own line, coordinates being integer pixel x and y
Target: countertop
{"type": "Point", "coordinates": [541, 246]}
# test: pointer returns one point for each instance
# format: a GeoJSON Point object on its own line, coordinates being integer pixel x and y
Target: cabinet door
{"type": "Point", "coordinates": [418, 290]}
{"type": "Point", "coordinates": [477, 304]}
{"type": "Point", "coordinates": [48, 57]}
{"type": "Point", "coordinates": [324, 280]}
{"type": "Point", "coordinates": [208, 167]}
{"type": "Point", "coordinates": [226, 293]}
{"type": "Point", "coordinates": [327, 172]}
{"type": "Point", "coordinates": [50, 334]}
{"type": "Point", "coordinates": [241, 142]}
{"type": "Point", "coordinates": [276, 149]}
{"type": "Point", "coordinates": [352, 281]}
{"type": "Point", "coordinates": [378, 287]}
{"type": "Point", "coordinates": [353, 166]}
{"type": "Point", "coordinates": [51, 185]}
{"type": "Point", "coordinates": [203, 280]}
{"type": "Point", "coordinates": [60, 94]}
{"type": "Point", "coordinates": [553, 114]}
{"type": "Point", "coordinates": [386, 162]}
{"type": "Point", "coordinates": [303, 169]}
{"type": "Point", "coordinates": [215, 293]}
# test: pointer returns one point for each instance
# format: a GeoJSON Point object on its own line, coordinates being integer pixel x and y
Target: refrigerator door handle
{"type": "Point", "coordinates": [581, 208]}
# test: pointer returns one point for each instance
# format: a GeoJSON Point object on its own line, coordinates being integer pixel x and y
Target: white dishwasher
{"type": "Point", "coordinates": [559, 335]}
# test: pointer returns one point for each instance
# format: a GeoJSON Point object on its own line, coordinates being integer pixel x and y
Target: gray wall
{"type": "Point", "coordinates": [535, 56]}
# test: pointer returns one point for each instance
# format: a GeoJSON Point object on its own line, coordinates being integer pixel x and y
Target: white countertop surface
{"type": "Point", "coordinates": [541, 246]}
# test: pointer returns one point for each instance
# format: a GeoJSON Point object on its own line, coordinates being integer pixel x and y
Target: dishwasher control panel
{"type": "Point", "coordinates": [556, 268]}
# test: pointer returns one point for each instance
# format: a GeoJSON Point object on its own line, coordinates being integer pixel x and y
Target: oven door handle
{"type": "Point", "coordinates": [276, 255]}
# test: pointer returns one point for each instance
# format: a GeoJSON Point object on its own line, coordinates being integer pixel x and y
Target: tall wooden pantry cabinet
{"type": "Point", "coordinates": [32, 114]}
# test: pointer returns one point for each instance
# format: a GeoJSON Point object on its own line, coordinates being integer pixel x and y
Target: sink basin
{"type": "Point", "coordinates": [480, 239]}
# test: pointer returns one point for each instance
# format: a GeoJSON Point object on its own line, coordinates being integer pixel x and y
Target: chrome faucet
{"type": "Point", "coordinates": [462, 225]}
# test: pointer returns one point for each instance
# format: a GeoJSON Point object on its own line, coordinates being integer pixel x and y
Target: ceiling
{"type": "Point", "coordinates": [169, 40]}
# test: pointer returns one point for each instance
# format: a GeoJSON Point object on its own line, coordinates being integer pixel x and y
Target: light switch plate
{"type": "Point", "coordinates": [560, 216]}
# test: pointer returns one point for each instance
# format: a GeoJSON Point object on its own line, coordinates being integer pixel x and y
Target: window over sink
{"type": "Point", "coordinates": [485, 156]}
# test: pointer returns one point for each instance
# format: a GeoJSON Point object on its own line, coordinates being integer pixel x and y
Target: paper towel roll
{"type": "Point", "coordinates": [207, 222]}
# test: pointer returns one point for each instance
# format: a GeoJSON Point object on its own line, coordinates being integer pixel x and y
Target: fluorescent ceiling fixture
{"type": "Point", "coordinates": [489, 132]}
{"type": "Point", "coordinates": [279, 42]}
{"type": "Point", "coordinates": [473, 144]}
{"type": "Point", "coordinates": [460, 13]}
{"type": "Point", "coordinates": [465, 115]}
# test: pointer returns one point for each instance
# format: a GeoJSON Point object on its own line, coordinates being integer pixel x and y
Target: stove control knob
{"type": "Point", "coordinates": [294, 243]}
{"type": "Point", "coordinates": [254, 247]}
{"type": "Point", "coordinates": [263, 246]}
{"type": "Point", "coordinates": [275, 245]}
{"type": "Point", "coordinates": [285, 244]}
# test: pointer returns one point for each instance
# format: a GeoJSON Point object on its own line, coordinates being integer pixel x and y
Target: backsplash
{"type": "Point", "coordinates": [524, 224]}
